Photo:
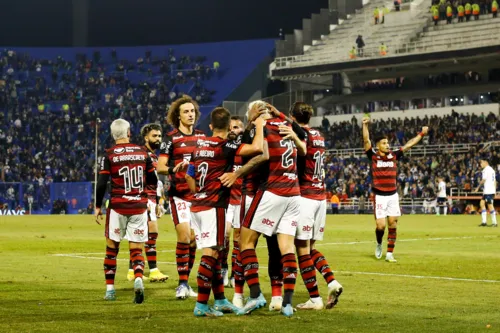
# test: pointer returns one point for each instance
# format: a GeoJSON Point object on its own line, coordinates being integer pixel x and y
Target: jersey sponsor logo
{"type": "Point", "coordinates": [232, 146]}
{"type": "Point", "coordinates": [117, 231]}
{"type": "Point", "coordinates": [130, 149]}
{"type": "Point", "coordinates": [383, 164]}
{"type": "Point", "coordinates": [205, 235]}
{"type": "Point", "coordinates": [321, 229]}
{"type": "Point", "coordinates": [119, 150]}
{"type": "Point", "coordinates": [318, 185]}
{"type": "Point", "coordinates": [294, 224]}
{"type": "Point", "coordinates": [202, 195]}
{"type": "Point", "coordinates": [278, 123]}
{"type": "Point", "coordinates": [291, 176]}
{"type": "Point", "coordinates": [131, 198]}
{"type": "Point", "coordinates": [268, 222]}
{"type": "Point", "coordinates": [307, 228]}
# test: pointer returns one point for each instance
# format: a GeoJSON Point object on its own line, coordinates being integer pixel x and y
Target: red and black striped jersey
{"type": "Point", "coordinates": [252, 181]}
{"type": "Point", "coordinates": [280, 177]}
{"type": "Point", "coordinates": [310, 167]}
{"type": "Point", "coordinates": [384, 171]}
{"type": "Point", "coordinates": [151, 189]}
{"type": "Point", "coordinates": [235, 198]}
{"type": "Point", "coordinates": [212, 158]}
{"type": "Point", "coordinates": [178, 147]}
{"type": "Point", "coordinates": [127, 164]}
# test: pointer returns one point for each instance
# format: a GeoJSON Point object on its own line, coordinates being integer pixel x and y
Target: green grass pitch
{"type": "Point", "coordinates": [447, 279]}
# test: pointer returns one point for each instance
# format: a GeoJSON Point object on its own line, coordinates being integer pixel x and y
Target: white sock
{"type": "Point", "coordinates": [445, 210]}
{"type": "Point", "coordinates": [483, 216]}
{"type": "Point", "coordinates": [110, 287]}
{"type": "Point", "coordinates": [493, 217]}
{"type": "Point", "coordinates": [316, 299]}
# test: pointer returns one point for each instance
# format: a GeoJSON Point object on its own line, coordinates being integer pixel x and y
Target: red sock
{"type": "Point", "coordinates": [182, 260]}
{"type": "Point", "coordinates": [308, 273]}
{"type": "Point", "coordinates": [218, 281]}
{"type": "Point", "coordinates": [322, 266]}
{"type": "Point", "coordinates": [137, 262]}
{"type": "Point", "coordinates": [192, 257]}
{"type": "Point", "coordinates": [289, 262]}
{"type": "Point", "coordinates": [150, 249]}
{"type": "Point", "coordinates": [239, 278]}
{"type": "Point", "coordinates": [391, 240]}
{"type": "Point", "coordinates": [110, 265]}
{"type": "Point", "coordinates": [205, 277]}
{"type": "Point", "coordinates": [251, 269]}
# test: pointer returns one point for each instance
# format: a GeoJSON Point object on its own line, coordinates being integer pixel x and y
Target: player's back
{"type": "Point", "coordinates": [310, 167]}
{"type": "Point", "coordinates": [127, 164]}
{"type": "Point", "coordinates": [281, 174]}
{"type": "Point", "coordinates": [212, 157]}
{"type": "Point", "coordinates": [489, 180]}
{"type": "Point", "coordinates": [442, 189]}
{"type": "Point", "coordinates": [179, 147]}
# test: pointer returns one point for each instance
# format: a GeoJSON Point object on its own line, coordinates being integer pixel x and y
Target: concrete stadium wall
{"type": "Point", "coordinates": [471, 109]}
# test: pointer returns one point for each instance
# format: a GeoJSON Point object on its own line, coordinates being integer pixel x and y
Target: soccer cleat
{"type": "Point", "coordinates": [378, 251]}
{"type": "Point", "coordinates": [276, 303]}
{"type": "Point", "coordinates": [110, 295]}
{"type": "Point", "coordinates": [225, 275]}
{"type": "Point", "coordinates": [483, 225]}
{"type": "Point", "coordinates": [157, 276]}
{"type": "Point", "coordinates": [238, 300]}
{"type": "Point", "coordinates": [130, 275]}
{"type": "Point", "coordinates": [389, 257]}
{"type": "Point", "coordinates": [182, 291]}
{"type": "Point", "coordinates": [138, 290]}
{"type": "Point", "coordinates": [287, 310]}
{"type": "Point", "coordinates": [251, 305]}
{"type": "Point", "coordinates": [335, 289]}
{"type": "Point", "coordinates": [203, 310]}
{"type": "Point", "coordinates": [494, 225]}
{"type": "Point", "coordinates": [311, 305]}
{"type": "Point", "coordinates": [192, 293]}
{"type": "Point", "coordinates": [224, 306]}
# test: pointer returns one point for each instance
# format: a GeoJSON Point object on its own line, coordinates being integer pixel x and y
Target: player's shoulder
{"type": "Point", "coordinates": [173, 132]}
{"type": "Point", "coordinates": [198, 132]}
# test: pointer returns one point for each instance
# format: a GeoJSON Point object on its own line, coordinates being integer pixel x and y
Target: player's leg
{"type": "Point", "coordinates": [438, 208]}
{"type": "Point", "coordinates": [239, 279]}
{"type": "Point", "coordinates": [484, 213]}
{"type": "Point", "coordinates": [114, 234]}
{"type": "Point", "coordinates": [393, 212]}
{"type": "Point", "coordinates": [181, 217]}
{"type": "Point", "coordinates": [286, 230]}
{"type": "Point", "coordinates": [493, 213]}
{"type": "Point", "coordinates": [224, 253]}
{"type": "Point", "coordinates": [445, 206]}
{"type": "Point", "coordinates": [137, 235]}
{"type": "Point", "coordinates": [275, 271]}
{"type": "Point", "coordinates": [155, 275]}
{"type": "Point", "coordinates": [380, 212]}
{"type": "Point", "coordinates": [303, 248]}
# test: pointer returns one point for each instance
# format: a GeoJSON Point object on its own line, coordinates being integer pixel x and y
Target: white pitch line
{"type": "Point", "coordinates": [446, 278]}
{"type": "Point", "coordinates": [327, 244]}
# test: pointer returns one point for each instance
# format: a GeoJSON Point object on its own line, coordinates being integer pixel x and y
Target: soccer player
{"type": "Point", "coordinates": [311, 224]}
{"type": "Point", "coordinates": [275, 209]}
{"type": "Point", "coordinates": [175, 154]}
{"type": "Point", "coordinates": [131, 170]}
{"type": "Point", "coordinates": [384, 183]}
{"type": "Point", "coordinates": [441, 197]}
{"type": "Point", "coordinates": [233, 211]}
{"type": "Point", "coordinates": [489, 189]}
{"type": "Point", "coordinates": [211, 159]}
{"type": "Point", "coordinates": [152, 139]}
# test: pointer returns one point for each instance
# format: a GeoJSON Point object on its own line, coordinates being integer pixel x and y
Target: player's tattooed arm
{"type": "Point", "coordinates": [416, 139]}
{"type": "Point", "coordinates": [257, 145]}
{"type": "Point", "coordinates": [228, 179]}
{"type": "Point", "coordinates": [366, 134]}
{"type": "Point", "coordinates": [289, 133]}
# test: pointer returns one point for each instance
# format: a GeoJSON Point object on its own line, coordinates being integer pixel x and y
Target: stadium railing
{"type": "Point", "coordinates": [353, 206]}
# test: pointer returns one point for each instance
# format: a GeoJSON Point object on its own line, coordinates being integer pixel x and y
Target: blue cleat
{"type": "Point", "coordinates": [203, 310]}
{"type": "Point", "coordinates": [252, 304]}
{"type": "Point", "coordinates": [223, 305]}
{"type": "Point", "coordinates": [110, 295]}
{"type": "Point", "coordinates": [287, 310]}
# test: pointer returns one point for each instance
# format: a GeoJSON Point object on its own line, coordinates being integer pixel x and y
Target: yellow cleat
{"type": "Point", "coordinates": [157, 276]}
{"type": "Point", "coordinates": [130, 275]}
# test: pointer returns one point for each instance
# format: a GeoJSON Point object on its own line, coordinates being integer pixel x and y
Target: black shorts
{"type": "Point", "coordinates": [441, 200]}
{"type": "Point", "coordinates": [488, 198]}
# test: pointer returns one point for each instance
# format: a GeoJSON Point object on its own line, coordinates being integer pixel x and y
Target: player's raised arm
{"type": "Point", "coordinates": [416, 139]}
{"type": "Point", "coordinates": [257, 146]}
{"type": "Point", "coordinates": [289, 133]}
{"type": "Point", "coordinates": [366, 134]}
{"type": "Point", "coordinates": [228, 179]}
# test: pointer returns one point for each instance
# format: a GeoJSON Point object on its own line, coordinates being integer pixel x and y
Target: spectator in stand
{"type": "Point", "coordinates": [326, 124]}
{"type": "Point", "coordinates": [494, 8]}
{"type": "Point", "coordinates": [468, 11]}
{"type": "Point", "coordinates": [335, 202]}
{"type": "Point", "coordinates": [476, 10]}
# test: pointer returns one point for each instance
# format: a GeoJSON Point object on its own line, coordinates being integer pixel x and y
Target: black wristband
{"type": "Point", "coordinates": [171, 171]}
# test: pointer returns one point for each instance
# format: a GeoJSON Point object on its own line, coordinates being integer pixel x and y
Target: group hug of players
{"type": "Point", "coordinates": [265, 179]}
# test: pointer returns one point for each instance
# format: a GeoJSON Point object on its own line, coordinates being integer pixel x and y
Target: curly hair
{"type": "Point", "coordinates": [175, 109]}
{"type": "Point", "coordinates": [148, 128]}
{"type": "Point", "coordinates": [302, 112]}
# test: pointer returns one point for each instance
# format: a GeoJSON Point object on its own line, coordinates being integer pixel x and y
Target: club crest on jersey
{"type": "Point", "coordinates": [163, 145]}
{"type": "Point", "coordinates": [119, 150]}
